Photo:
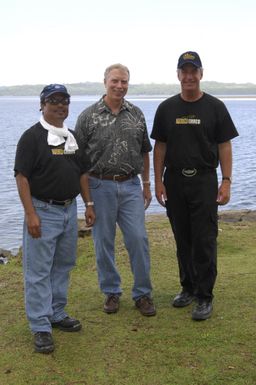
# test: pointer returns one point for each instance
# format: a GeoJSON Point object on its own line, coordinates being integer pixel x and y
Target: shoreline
{"type": "Point", "coordinates": [228, 216]}
{"type": "Point", "coordinates": [225, 215]}
{"type": "Point", "coordinates": [134, 96]}
{"type": "Point", "coordinates": [244, 215]}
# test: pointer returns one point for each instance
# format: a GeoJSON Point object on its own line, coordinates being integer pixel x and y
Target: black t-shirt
{"type": "Point", "coordinates": [192, 130]}
{"type": "Point", "coordinates": [51, 173]}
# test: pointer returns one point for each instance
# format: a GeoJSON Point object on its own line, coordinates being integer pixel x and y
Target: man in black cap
{"type": "Point", "coordinates": [50, 174]}
{"type": "Point", "coordinates": [193, 132]}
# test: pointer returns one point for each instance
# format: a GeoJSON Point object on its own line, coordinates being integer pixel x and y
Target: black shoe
{"type": "Point", "coordinates": [43, 342]}
{"type": "Point", "coordinates": [202, 310]}
{"type": "Point", "coordinates": [183, 299]}
{"type": "Point", "coordinates": [68, 325]}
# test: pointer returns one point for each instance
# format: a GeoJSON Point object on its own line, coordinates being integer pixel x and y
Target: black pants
{"type": "Point", "coordinates": [192, 211]}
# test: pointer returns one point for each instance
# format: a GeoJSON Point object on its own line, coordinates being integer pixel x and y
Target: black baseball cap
{"type": "Point", "coordinates": [53, 89]}
{"type": "Point", "coordinates": [189, 57]}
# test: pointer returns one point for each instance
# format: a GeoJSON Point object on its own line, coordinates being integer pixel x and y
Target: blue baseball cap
{"type": "Point", "coordinates": [53, 89]}
{"type": "Point", "coordinates": [189, 57]}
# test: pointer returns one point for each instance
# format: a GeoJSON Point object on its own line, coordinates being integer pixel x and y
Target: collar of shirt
{"type": "Point", "coordinates": [102, 106]}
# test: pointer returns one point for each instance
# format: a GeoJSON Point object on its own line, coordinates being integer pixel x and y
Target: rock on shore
{"type": "Point", "coordinates": [237, 216]}
{"type": "Point", "coordinates": [224, 216]}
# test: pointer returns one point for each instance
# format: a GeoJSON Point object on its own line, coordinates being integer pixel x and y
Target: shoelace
{"type": "Point", "coordinates": [113, 298]}
{"type": "Point", "coordinates": [147, 299]}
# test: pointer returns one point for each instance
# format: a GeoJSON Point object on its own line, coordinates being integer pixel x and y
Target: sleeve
{"type": "Point", "coordinates": [80, 130]}
{"type": "Point", "coordinates": [146, 145]}
{"type": "Point", "coordinates": [226, 129]}
{"type": "Point", "coordinates": [81, 156]}
{"type": "Point", "coordinates": [81, 137]}
{"type": "Point", "coordinates": [83, 161]}
{"type": "Point", "coordinates": [158, 130]}
{"type": "Point", "coordinates": [25, 155]}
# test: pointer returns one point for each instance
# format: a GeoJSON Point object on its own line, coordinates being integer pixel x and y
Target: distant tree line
{"type": "Point", "coordinates": [94, 88]}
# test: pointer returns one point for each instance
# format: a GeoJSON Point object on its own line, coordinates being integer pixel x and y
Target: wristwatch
{"type": "Point", "coordinates": [227, 178]}
{"type": "Point", "coordinates": [87, 204]}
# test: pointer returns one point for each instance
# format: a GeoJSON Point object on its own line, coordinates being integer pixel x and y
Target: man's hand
{"type": "Point", "coordinates": [90, 216]}
{"type": "Point", "coordinates": [224, 193]}
{"type": "Point", "coordinates": [34, 226]}
{"type": "Point", "coordinates": [147, 195]}
{"type": "Point", "coordinates": [160, 193]}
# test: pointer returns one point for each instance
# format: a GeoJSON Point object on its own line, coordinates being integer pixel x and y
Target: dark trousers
{"type": "Point", "coordinates": [192, 211]}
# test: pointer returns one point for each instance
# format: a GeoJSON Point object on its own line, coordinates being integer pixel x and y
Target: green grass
{"type": "Point", "coordinates": [127, 348]}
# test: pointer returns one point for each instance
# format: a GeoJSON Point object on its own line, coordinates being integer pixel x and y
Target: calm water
{"type": "Point", "coordinates": [18, 114]}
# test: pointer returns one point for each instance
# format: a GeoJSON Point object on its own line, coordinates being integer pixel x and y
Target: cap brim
{"type": "Point", "coordinates": [57, 92]}
{"type": "Point", "coordinates": [189, 62]}
{"type": "Point", "coordinates": [43, 97]}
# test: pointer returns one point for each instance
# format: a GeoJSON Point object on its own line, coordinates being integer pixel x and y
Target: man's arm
{"type": "Point", "coordinates": [159, 156]}
{"type": "Point", "coordinates": [146, 180]}
{"type": "Point", "coordinates": [225, 156]}
{"type": "Point", "coordinates": [89, 204]}
{"type": "Point", "coordinates": [31, 217]}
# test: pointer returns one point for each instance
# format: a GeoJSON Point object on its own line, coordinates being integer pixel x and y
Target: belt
{"type": "Point", "coordinates": [116, 178]}
{"type": "Point", "coordinates": [67, 202]}
{"type": "Point", "coordinates": [190, 172]}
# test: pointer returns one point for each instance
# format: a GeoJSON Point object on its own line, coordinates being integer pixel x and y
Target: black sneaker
{"type": "Point", "coordinates": [183, 299]}
{"type": "Point", "coordinates": [202, 310]}
{"type": "Point", "coordinates": [68, 325]}
{"type": "Point", "coordinates": [43, 342]}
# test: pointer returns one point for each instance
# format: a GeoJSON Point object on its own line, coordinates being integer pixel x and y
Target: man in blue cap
{"type": "Point", "coordinates": [50, 174]}
{"type": "Point", "coordinates": [193, 132]}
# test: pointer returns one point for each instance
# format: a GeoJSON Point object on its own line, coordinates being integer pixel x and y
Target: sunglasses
{"type": "Point", "coordinates": [65, 101]}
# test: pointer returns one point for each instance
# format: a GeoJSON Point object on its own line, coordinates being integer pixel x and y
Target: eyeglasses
{"type": "Point", "coordinates": [65, 101]}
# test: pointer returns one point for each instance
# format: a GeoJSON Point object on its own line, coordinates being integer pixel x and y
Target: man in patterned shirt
{"type": "Point", "coordinates": [113, 134]}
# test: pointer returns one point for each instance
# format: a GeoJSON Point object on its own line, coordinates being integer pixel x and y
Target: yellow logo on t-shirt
{"type": "Point", "coordinates": [57, 151]}
{"type": "Point", "coordinates": [188, 120]}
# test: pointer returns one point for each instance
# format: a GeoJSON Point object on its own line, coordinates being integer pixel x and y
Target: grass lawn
{"type": "Point", "coordinates": [127, 348]}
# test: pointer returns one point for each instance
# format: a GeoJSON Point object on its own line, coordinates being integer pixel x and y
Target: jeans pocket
{"type": "Point", "coordinates": [94, 183]}
{"type": "Point", "coordinates": [135, 180]}
{"type": "Point", "coordinates": [40, 204]}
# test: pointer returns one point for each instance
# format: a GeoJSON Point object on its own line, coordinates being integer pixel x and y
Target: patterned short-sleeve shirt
{"type": "Point", "coordinates": [114, 144]}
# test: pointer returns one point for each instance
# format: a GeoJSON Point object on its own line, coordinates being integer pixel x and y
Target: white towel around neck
{"type": "Point", "coordinates": [57, 135]}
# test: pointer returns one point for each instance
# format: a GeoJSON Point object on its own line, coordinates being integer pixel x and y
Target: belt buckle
{"type": "Point", "coordinates": [189, 172]}
{"type": "Point", "coordinates": [67, 202]}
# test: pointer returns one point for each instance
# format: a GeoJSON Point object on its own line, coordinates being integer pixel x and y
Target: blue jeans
{"type": "Point", "coordinates": [121, 203]}
{"type": "Point", "coordinates": [47, 262]}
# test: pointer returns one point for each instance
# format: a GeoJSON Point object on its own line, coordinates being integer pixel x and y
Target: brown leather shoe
{"type": "Point", "coordinates": [111, 304]}
{"type": "Point", "coordinates": [146, 306]}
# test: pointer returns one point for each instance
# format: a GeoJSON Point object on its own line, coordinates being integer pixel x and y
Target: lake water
{"type": "Point", "coordinates": [19, 113]}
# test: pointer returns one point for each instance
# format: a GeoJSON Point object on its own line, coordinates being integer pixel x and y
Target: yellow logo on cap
{"type": "Point", "coordinates": [188, 56]}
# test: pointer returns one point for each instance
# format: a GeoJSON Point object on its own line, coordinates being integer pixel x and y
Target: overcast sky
{"type": "Point", "coordinates": [64, 41]}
